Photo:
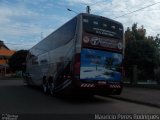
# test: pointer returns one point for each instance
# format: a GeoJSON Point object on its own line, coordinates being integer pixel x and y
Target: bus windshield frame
{"type": "Point", "coordinates": [102, 26]}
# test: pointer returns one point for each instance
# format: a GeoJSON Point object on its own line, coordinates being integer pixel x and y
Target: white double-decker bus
{"type": "Point", "coordinates": [84, 54]}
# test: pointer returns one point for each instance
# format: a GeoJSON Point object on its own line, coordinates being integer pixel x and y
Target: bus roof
{"type": "Point", "coordinates": [81, 14]}
{"type": "Point", "coordinates": [101, 17]}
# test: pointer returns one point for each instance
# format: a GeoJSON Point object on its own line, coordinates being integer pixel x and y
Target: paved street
{"type": "Point", "coordinates": [16, 97]}
{"type": "Point", "coordinates": [141, 95]}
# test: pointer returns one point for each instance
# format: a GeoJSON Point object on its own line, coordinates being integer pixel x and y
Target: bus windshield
{"type": "Point", "coordinates": [102, 26]}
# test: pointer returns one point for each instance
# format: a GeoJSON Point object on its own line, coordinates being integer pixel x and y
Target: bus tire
{"type": "Point", "coordinates": [29, 81]}
{"type": "Point", "coordinates": [45, 85]}
{"type": "Point", "coordinates": [51, 88]}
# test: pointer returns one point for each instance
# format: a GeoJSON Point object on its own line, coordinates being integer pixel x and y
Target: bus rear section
{"type": "Point", "coordinates": [99, 63]}
{"type": "Point", "coordinates": [98, 72]}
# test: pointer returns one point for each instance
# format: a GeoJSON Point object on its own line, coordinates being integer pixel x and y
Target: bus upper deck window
{"type": "Point", "coordinates": [121, 29]}
{"type": "Point", "coordinates": [113, 27]}
{"type": "Point", "coordinates": [104, 25]}
{"type": "Point", "coordinates": [85, 20]}
{"type": "Point", "coordinates": [95, 22]}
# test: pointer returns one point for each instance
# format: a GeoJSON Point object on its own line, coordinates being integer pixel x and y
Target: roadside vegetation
{"type": "Point", "coordinates": [142, 55]}
{"type": "Point", "coordinates": [17, 63]}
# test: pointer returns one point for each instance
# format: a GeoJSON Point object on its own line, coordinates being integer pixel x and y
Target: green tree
{"type": "Point", "coordinates": [141, 51]}
{"type": "Point", "coordinates": [17, 62]}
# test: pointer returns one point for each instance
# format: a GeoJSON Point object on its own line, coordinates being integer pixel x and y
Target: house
{"type": "Point", "coordinates": [5, 54]}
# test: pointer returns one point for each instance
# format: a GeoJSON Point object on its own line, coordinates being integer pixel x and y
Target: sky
{"type": "Point", "coordinates": [23, 23]}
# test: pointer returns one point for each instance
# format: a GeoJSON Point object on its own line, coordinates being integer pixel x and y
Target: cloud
{"type": "Point", "coordinates": [71, 2]}
{"type": "Point", "coordinates": [24, 20]}
{"type": "Point", "coordinates": [149, 17]}
{"type": "Point", "coordinates": [18, 23]}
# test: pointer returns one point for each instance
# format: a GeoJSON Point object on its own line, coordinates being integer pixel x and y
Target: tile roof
{"type": "Point", "coordinates": [2, 45]}
{"type": "Point", "coordinates": [6, 52]}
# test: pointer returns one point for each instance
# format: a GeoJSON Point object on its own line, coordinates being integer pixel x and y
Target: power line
{"type": "Point", "coordinates": [137, 10]}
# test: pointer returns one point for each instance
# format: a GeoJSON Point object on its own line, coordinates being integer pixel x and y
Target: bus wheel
{"type": "Point", "coordinates": [51, 88]}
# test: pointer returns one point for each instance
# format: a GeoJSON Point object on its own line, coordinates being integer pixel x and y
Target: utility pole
{"type": "Point", "coordinates": [88, 9]}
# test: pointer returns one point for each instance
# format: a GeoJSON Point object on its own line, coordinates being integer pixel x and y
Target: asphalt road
{"type": "Point", "coordinates": [17, 98]}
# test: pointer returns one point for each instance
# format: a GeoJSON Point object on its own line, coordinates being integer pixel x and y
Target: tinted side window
{"type": "Point", "coordinates": [58, 38]}
{"type": "Point", "coordinates": [66, 33]}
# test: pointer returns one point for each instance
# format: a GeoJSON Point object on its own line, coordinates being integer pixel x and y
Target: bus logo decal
{"type": "Point", "coordinates": [94, 41]}
{"type": "Point", "coordinates": [108, 43]}
{"type": "Point", "coordinates": [86, 39]}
